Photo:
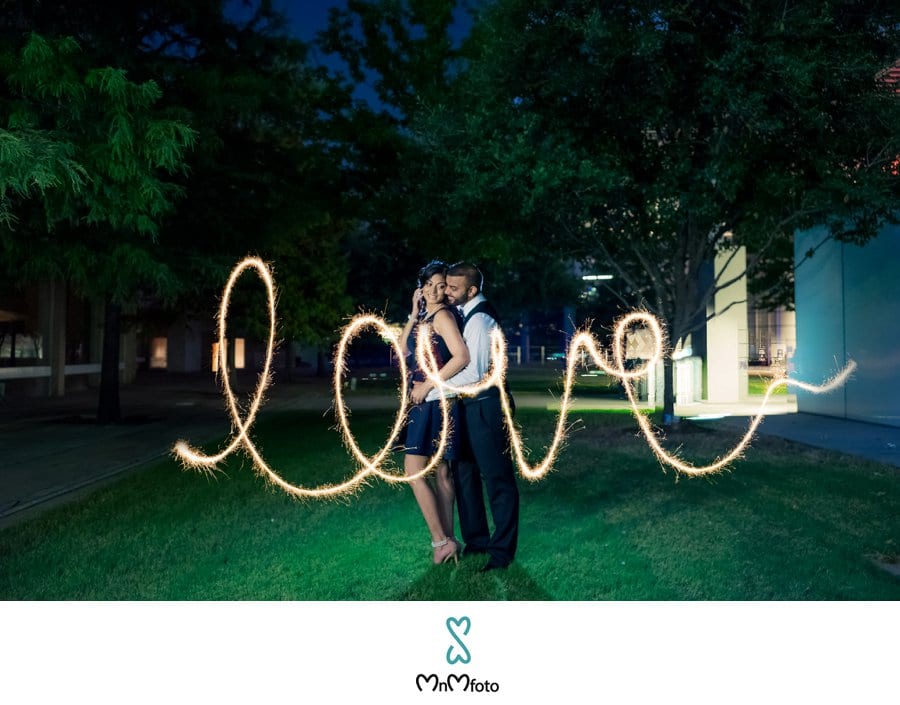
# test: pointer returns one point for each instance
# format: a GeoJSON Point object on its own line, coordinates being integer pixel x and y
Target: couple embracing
{"type": "Point", "coordinates": [477, 456]}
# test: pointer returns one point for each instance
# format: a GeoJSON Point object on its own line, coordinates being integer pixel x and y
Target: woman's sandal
{"type": "Point", "coordinates": [445, 550]}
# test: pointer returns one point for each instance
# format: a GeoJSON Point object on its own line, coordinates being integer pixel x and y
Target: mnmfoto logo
{"type": "Point", "coordinates": [462, 683]}
{"type": "Point", "coordinates": [463, 656]}
{"type": "Point", "coordinates": [458, 652]}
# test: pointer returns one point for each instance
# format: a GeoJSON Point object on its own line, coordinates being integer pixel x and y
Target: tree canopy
{"type": "Point", "coordinates": [86, 171]}
{"type": "Point", "coordinates": [409, 52]}
{"type": "Point", "coordinates": [643, 137]}
{"type": "Point", "coordinates": [265, 171]}
{"type": "Point", "coordinates": [264, 175]}
{"type": "Point", "coordinates": [647, 136]}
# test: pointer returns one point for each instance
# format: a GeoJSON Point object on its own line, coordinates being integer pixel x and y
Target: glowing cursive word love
{"type": "Point", "coordinates": [373, 465]}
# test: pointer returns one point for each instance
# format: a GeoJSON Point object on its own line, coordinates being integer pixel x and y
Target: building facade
{"type": "Point", "coordinates": [848, 308]}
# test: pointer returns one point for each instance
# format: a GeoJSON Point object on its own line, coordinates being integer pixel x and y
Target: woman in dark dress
{"type": "Point", "coordinates": [423, 427]}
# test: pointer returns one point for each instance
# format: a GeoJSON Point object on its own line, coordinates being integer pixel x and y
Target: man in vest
{"type": "Point", "coordinates": [485, 453]}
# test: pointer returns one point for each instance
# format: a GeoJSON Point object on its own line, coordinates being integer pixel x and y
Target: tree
{"type": "Point", "coordinates": [407, 52]}
{"type": "Point", "coordinates": [85, 158]}
{"type": "Point", "coordinates": [648, 136]}
{"type": "Point", "coordinates": [265, 176]}
{"type": "Point", "coordinates": [403, 51]}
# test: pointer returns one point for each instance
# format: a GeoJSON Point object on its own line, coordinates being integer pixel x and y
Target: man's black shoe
{"type": "Point", "coordinates": [493, 565]}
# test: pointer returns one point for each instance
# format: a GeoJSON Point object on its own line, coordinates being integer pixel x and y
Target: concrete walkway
{"type": "Point", "coordinates": [51, 452]}
{"type": "Point", "coordinates": [865, 440]}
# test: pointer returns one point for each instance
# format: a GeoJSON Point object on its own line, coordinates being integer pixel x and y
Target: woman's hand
{"type": "Point", "coordinates": [416, 298]}
{"type": "Point", "coordinates": [419, 392]}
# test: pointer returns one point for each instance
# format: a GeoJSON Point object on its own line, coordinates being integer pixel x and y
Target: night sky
{"type": "Point", "coordinates": [308, 17]}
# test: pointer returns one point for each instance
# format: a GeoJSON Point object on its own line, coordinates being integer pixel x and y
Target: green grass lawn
{"type": "Point", "coordinates": [588, 382]}
{"type": "Point", "coordinates": [757, 384]}
{"type": "Point", "coordinates": [788, 522]}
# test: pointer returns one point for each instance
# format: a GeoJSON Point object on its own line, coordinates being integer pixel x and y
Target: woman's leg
{"type": "Point", "coordinates": [428, 504]}
{"type": "Point", "coordinates": [446, 497]}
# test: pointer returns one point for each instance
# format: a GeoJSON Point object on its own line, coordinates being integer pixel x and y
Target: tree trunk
{"type": "Point", "coordinates": [668, 390]}
{"type": "Point", "coordinates": [108, 410]}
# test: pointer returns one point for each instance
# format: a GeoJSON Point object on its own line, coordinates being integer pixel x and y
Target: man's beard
{"type": "Point", "coordinates": [461, 301]}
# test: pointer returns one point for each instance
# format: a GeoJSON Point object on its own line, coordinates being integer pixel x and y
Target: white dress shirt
{"type": "Point", "coordinates": [477, 335]}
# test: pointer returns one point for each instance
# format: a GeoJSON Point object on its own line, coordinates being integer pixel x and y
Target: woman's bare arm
{"type": "Point", "coordinates": [445, 326]}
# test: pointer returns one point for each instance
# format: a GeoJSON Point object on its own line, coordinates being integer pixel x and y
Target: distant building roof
{"type": "Point", "coordinates": [891, 77]}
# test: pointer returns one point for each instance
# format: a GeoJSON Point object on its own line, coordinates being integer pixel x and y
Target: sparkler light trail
{"type": "Point", "coordinates": [374, 465]}
{"type": "Point", "coordinates": [192, 457]}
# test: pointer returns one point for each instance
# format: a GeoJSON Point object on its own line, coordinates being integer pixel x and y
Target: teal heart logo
{"type": "Point", "coordinates": [463, 623]}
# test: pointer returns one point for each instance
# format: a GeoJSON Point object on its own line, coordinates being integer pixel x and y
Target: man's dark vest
{"type": "Point", "coordinates": [483, 307]}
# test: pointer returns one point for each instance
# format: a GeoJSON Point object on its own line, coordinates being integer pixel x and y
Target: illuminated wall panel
{"type": "Point", "coordinates": [872, 321]}
{"type": "Point", "coordinates": [848, 307]}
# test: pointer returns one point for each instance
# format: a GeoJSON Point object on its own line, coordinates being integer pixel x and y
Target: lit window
{"type": "Point", "coordinates": [159, 350]}
{"type": "Point", "coordinates": [215, 356]}
{"type": "Point", "coordinates": [238, 353]}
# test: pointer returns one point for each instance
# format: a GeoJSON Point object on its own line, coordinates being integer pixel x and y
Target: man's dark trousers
{"type": "Point", "coordinates": [485, 455]}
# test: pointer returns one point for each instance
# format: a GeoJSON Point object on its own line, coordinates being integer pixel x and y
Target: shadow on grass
{"type": "Point", "coordinates": [464, 582]}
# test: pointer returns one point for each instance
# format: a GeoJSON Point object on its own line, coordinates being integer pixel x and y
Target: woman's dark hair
{"type": "Point", "coordinates": [435, 266]}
